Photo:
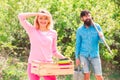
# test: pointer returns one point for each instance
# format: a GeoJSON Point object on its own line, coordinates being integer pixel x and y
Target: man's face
{"type": "Point", "coordinates": [87, 19]}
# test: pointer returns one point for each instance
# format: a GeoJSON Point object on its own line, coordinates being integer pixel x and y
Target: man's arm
{"type": "Point", "coordinates": [78, 44]}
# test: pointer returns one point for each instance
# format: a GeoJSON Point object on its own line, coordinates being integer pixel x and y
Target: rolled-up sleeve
{"type": "Point", "coordinates": [100, 30]}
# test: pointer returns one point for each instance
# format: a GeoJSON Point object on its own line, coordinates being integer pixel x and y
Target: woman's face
{"type": "Point", "coordinates": [43, 21]}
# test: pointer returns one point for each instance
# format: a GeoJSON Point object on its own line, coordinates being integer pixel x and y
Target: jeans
{"type": "Point", "coordinates": [95, 62]}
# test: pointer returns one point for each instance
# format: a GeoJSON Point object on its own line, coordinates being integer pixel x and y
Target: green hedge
{"type": "Point", "coordinates": [66, 17]}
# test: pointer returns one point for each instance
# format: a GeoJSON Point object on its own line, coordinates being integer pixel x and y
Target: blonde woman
{"type": "Point", "coordinates": [42, 38]}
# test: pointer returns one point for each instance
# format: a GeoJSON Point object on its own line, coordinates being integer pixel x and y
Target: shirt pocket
{"type": "Point", "coordinates": [94, 35]}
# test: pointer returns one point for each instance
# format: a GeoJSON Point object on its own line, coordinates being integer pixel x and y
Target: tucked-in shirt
{"type": "Point", "coordinates": [87, 41]}
{"type": "Point", "coordinates": [42, 45]}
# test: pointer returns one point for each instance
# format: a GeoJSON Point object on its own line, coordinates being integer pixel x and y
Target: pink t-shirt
{"type": "Point", "coordinates": [43, 45]}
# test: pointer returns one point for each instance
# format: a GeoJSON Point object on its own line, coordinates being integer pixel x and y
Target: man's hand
{"type": "Point", "coordinates": [100, 35]}
{"type": "Point", "coordinates": [77, 62]}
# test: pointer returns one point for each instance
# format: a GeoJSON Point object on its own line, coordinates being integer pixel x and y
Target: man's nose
{"type": "Point", "coordinates": [88, 17]}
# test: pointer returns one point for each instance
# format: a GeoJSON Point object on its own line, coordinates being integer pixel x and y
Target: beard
{"type": "Point", "coordinates": [88, 22]}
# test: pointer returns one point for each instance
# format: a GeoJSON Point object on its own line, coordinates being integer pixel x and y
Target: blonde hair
{"type": "Point", "coordinates": [50, 24]}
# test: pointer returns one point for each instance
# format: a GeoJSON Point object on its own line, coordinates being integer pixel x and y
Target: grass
{"type": "Point", "coordinates": [114, 76]}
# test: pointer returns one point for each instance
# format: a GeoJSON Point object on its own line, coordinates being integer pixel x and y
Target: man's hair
{"type": "Point", "coordinates": [84, 12]}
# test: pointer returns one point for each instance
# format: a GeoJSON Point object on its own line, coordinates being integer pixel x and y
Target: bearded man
{"type": "Point", "coordinates": [87, 46]}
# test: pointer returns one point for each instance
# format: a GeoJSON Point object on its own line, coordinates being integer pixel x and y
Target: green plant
{"type": "Point", "coordinates": [15, 42]}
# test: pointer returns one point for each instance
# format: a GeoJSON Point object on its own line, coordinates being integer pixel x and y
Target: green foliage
{"type": "Point", "coordinates": [16, 71]}
{"type": "Point", "coordinates": [12, 73]}
{"type": "Point", "coordinates": [15, 42]}
{"type": "Point", "coordinates": [69, 77]}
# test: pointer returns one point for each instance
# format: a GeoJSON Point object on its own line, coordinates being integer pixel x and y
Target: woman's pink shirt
{"type": "Point", "coordinates": [42, 46]}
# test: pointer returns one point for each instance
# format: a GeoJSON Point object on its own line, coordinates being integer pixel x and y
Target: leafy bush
{"type": "Point", "coordinates": [16, 71]}
{"type": "Point", "coordinates": [14, 40]}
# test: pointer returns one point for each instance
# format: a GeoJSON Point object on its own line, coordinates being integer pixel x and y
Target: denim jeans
{"type": "Point", "coordinates": [95, 62]}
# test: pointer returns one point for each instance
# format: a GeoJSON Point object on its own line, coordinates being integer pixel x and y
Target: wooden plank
{"type": "Point", "coordinates": [55, 66]}
{"type": "Point", "coordinates": [43, 69]}
{"type": "Point", "coordinates": [55, 72]}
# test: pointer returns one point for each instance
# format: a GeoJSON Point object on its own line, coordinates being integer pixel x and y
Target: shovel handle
{"type": "Point", "coordinates": [103, 40]}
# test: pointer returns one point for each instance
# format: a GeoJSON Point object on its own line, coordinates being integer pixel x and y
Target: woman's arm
{"type": "Point", "coordinates": [27, 15]}
{"type": "Point", "coordinates": [23, 20]}
{"type": "Point", "coordinates": [54, 47]}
